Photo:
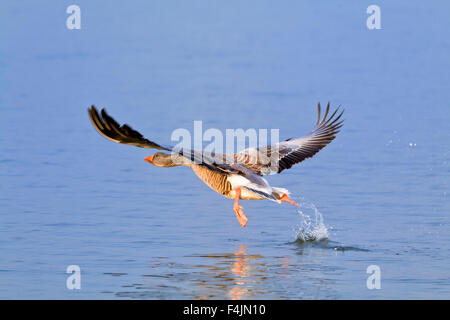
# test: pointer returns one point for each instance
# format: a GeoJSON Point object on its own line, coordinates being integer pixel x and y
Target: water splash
{"type": "Point", "coordinates": [311, 228]}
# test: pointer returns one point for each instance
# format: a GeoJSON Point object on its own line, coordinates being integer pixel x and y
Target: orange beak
{"type": "Point", "coordinates": [149, 159]}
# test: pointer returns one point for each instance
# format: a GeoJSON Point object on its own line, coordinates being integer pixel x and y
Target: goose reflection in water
{"type": "Point", "coordinates": [241, 270]}
{"type": "Point", "coordinates": [236, 275]}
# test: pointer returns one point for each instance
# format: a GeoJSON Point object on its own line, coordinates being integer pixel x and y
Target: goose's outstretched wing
{"type": "Point", "coordinates": [110, 129]}
{"type": "Point", "coordinates": [283, 155]}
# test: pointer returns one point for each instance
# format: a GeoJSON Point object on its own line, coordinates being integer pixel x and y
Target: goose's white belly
{"type": "Point", "coordinates": [245, 195]}
{"type": "Point", "coordinates": [237, 181]}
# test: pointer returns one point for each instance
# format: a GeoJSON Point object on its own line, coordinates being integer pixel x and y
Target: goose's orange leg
{"type": "Point", "coordinates": [285, 198]}
{"type": "Point", "coordinates": [238, 209]}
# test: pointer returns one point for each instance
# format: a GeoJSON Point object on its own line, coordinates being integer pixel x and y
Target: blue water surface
{"type": "Point", "coordinates": [70, 197]}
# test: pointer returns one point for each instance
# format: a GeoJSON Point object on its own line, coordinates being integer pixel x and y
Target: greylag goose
{"type": "Point", "coordinates": [236, 176]}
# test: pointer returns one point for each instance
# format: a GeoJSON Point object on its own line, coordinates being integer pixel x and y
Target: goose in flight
{"type": "Point", "coordinates": [236, 176]}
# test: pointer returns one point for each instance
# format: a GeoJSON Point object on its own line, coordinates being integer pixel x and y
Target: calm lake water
{"type": "Point", "coordinates": [70, 197]}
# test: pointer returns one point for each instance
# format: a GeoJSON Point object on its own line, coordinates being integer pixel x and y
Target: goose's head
{"type": "Point", "coordinates": [161, 159]}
